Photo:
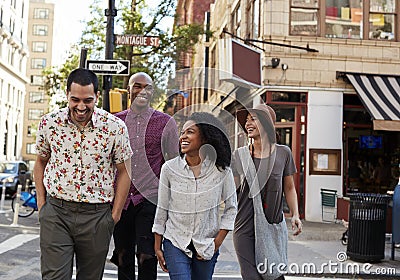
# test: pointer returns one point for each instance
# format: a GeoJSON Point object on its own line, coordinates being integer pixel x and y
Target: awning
{"type": "Point", "coordinates": [380, 95]}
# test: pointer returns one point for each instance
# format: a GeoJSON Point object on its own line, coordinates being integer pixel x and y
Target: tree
{"type": "Point", "coordinates": [138, 18]}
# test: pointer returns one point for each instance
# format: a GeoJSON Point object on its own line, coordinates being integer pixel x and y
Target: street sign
{"type": "Point", "coordinates": [109, 67]}
{"type": "Point", "coordinates": [137, 40]}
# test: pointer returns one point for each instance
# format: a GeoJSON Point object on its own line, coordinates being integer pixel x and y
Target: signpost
{"type": "Point", "coordinates": [109, 67]}
{"type": "Point", "coordinates": [137, 40]}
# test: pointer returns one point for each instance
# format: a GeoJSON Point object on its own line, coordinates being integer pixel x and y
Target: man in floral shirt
{"type": "Point", "coordinates": [79, 148]}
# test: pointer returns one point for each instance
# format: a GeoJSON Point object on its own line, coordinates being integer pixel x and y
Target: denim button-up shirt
{"type": "Point", "coordinates": [188, 207]}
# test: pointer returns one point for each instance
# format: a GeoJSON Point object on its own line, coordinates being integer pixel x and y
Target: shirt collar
{"type": "Point", "coordinates": [145, 114]}
{"type": "Point", "coordinates": [205, 165]}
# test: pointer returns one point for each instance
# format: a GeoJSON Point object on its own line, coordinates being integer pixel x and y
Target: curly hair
{"type": "Point", "coordinates": [213, 132]}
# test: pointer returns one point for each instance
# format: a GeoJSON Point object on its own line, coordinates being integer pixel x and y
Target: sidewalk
{"type": "Point", "coordinates": [314, 253]}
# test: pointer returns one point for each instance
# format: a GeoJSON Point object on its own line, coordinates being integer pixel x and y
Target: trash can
{"type": "Point", "coordinates": [395, 219]}
{"type": "Point", "coordinates": [367, 226]}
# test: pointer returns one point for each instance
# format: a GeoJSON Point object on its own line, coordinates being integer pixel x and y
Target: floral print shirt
{"type": "Point", "coordinates": [82, 161]}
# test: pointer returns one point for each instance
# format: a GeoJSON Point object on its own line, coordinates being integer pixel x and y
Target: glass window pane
{"type": "Point", "coordinates": [342, 21]}
{"type": "Point", "coordinates": [36, 97]}
{"type": "Point", "coordinates": [39, 46]}
{"type": "Point", "coordinates": [303, 22]}
{"type": "Point", "coordinates": [381, 26]}
{"type": "Point", "coordinates": [305, 3]}
{"type": "Point", "coordinates": [387, 6]}
{"type": "Point", "coordinates": [35, 114]}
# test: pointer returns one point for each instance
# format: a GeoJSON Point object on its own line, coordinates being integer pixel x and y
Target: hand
{"type": "Point", "coordinates": [161, 260]}
{"type": "Point", "coordinates": [296, 223]}
{"type": "Point", "coordinates": [116, 216]}
{"type": "Point", "coordinates": [217, 244]}
{"type": "Point", "coordinates": [40, 203]}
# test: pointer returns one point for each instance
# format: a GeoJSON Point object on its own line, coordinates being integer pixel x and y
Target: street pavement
{"type": "Point", "coordinates": [317, 253]}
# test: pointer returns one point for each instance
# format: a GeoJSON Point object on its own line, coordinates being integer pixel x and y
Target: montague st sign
{"type": "Point", "coordinates": [137, 40]}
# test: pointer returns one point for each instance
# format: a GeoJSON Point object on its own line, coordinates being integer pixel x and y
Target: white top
{"type": "Point", "coordinates": [188, 207]}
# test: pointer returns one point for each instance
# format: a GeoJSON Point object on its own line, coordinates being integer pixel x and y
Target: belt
{"type": "Point", "coordinates": [73, 204]}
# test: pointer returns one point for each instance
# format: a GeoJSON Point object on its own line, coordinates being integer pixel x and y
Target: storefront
{"type": "Point", "coordinates": [371, 134]}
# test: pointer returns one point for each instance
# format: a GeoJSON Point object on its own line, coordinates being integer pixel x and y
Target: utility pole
{"type": "Point", "coordinates": [110, 13]}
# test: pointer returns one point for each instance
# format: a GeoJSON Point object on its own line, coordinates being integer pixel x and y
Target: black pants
{"type": "Point", "coordinates": [133, 236]}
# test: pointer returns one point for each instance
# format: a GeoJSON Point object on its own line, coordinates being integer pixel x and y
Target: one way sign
{"type": "Point", "coordinates": [109, 67]}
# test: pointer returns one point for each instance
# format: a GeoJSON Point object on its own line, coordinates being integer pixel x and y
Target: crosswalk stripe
{"type": "Point", "coordinates": [16, 241]}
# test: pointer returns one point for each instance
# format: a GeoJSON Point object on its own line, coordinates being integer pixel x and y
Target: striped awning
{"type": "Point", "coordinates": [380, 95]}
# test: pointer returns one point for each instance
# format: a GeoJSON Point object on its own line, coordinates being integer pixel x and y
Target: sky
{"type": "Point", "coordinates": [68, 24]}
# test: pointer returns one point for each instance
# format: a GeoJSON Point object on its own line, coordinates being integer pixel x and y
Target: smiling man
{"type": "Point", "coordinates": [78, 150]}
{"type": "Point", "coordinates": [154, 139]}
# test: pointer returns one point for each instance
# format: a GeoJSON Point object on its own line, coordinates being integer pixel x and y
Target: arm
{"type": "Point", "coordinates": [291, 199]}
{"type": "Point", "coordinates": [159, 253]}
{"type": "Point", "coordinates": [230, 210]}
{"type": "Point", "coordinates": [38, 174]}
{"type": "Point", "coordinates": [220, 238]}
{"type": "Point", "coordinates": [122, 188]}
{"type": "Point", "coordinates": [161, 217]}
{"type": "Point", "coordinates": [170, 141]}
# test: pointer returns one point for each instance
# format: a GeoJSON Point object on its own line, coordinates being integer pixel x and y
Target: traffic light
{"type": "Point", "coordinates": [118, 100]}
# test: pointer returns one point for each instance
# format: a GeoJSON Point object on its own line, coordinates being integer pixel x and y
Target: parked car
{"type": "Point", "coordinates": [14, 173]}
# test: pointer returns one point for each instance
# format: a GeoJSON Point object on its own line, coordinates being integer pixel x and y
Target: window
{"type": "Point", "coordinates": [30, 148]}
{"type": "Point", "coordinates": [39, 46]}
{"type": "Point", "coordinates": [236, 17]}
{"type": "Point", "coordinates": [41, 13]}
{"type": "Point", "coordinates": [36, 97]}
{"type": "Point", "coordinates": [12, 26]}
{"type": "Point", "coordinates": [38, 63]}
{"type": "Point", "coordinates": [253, 24]}
{"type": "Point", "coordinates": [40, 30]}
{"type": "Point", "coordinates": [35, 114]}
{"type": "Point", "coordinates": [344, 19]}
{"type": "Point", "coordinates": [36, 80]}
{"type": "Point", "coordinates": [31, 130]}
{"type": "Point", "coordinates": [382, 19]}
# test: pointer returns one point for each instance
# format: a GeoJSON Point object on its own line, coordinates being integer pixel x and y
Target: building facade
{"type": "Point", "coordinates": [330, 70]}
{"type": "Point", "coordinates": [40, 41]}
{"type": "Point", "coordinates": [13, 57]}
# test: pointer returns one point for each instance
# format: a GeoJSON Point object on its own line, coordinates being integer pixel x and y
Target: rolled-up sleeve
{"type": "Point", "coordinates": [229, 197]}
{"type": "Point", "coordinates": [122, 147]}
{"type": "Point", "coordinates": [42, 143]}
{"type": "Point", "coordinates": [164, 193]}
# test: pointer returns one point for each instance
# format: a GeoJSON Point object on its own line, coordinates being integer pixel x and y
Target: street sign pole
{"type": "Point", "coordinates": [110, 13]}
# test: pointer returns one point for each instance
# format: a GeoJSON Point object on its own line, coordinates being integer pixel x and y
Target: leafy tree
{"type": "Point", "coordinates": [134, 18]}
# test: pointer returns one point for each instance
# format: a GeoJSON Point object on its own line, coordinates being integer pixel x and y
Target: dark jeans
{"type": "Point", "coordinates": [68, 228]}
{"type": "Point", "coordinates": [133, 236]}
{"type": "Point", "coordinates": [181, 267]}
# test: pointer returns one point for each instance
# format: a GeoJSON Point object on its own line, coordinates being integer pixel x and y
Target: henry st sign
{"type": "Point", "coordinates": [137, 40]}
{"type": "Point", "coordinates": [109, 67]}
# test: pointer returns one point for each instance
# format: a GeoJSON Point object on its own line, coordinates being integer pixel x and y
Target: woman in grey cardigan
{"type": "Point", "coordinates": [273, 175]}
